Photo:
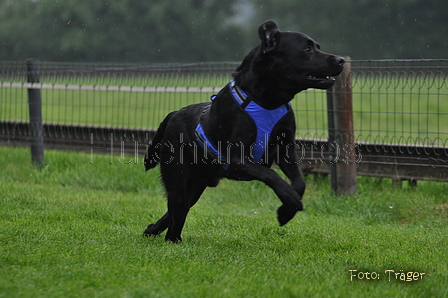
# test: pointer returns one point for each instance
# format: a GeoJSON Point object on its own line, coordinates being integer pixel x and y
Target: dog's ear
{"type": "Point", "coordinates": [268, 33]}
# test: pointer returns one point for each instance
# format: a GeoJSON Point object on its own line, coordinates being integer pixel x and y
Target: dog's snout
{"type": "Point", "coordinates": [340, 60]}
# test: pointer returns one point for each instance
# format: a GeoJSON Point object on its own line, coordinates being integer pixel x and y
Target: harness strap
{"type": "Point", "coordinates": [239, 95]}
{"type": "Point", "coordinates": [208, 147]}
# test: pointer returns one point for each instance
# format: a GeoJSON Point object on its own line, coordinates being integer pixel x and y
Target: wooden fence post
{"type": "Point", "coordinates": [341, 138]}
{"type": "Point", "coordinates": [35, 109]}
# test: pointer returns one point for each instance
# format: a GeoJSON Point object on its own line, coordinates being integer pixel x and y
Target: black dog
{"type": "Point", "coordinates": [246, 127]}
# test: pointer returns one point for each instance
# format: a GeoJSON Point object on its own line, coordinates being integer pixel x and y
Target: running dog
{"type": "Point", "coordinates": [246, 127]}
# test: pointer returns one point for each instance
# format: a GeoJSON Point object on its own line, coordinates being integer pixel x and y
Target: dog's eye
{"type": "Point", "coordinates": [308, 49]}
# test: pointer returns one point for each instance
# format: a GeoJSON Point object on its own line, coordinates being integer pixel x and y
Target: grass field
{"type": "Point", "coordinates": [403, 110]}
{"type": "Point", "coordinates": [73, 229]}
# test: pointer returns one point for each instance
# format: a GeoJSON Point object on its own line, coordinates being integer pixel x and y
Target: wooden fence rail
{"type": "Point", "coordinates": [399, 162]}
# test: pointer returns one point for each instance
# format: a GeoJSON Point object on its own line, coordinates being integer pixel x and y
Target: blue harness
{"type": "Point", "coordinates": [265, 121]}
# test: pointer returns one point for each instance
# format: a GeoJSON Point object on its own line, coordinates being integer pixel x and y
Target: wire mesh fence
{"type": "Point", "coordinates": [110, 94]}
{"type": "Point", "coordinates": [404, 101]}
{"type": "Point", "coordinates": [395, 102]}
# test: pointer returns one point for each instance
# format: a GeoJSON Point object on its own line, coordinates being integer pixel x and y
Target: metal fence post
{"type": "Point", "coordinates": [341, 138]}
{"type": "Point", "coordinates": [35, 109]}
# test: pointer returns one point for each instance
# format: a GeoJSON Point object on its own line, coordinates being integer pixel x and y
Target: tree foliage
{"type": "Point", "coordinates": [215, 30]}
{"type": "Point", "coordinates": [368, 29]}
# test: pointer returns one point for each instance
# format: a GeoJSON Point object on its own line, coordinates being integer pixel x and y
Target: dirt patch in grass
{"type": "Point", "coordinates": [442, 209]}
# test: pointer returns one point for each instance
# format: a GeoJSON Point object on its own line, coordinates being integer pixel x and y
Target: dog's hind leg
{"type": "Point", "coordinates": [195, 190]}
{"type": "Point", "coordinates": [179, 205]}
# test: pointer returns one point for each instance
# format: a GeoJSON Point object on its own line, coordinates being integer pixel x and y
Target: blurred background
{"type": "Point", "coordinates": [215, 30]}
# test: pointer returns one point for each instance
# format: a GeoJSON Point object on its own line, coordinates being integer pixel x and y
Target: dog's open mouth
{"type": "Point", "coordinates": [320, 81]}
{"type": "Point", "coordinates": [320, 78]}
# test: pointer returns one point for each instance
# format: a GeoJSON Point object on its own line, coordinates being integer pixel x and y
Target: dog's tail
{"type": "Point", "coordinates": [152, 157]}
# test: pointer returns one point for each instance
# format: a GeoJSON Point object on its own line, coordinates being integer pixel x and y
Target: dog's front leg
{"type": "Point", "coordinates": [287, 194]}
{"type": "Point", "coordinates": [289, 165]}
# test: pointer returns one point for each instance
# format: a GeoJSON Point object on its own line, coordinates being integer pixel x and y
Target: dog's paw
{"type": "Point", "coordinates": [285, 213]}
{"type": "Point", "coordinates": [151, 231]}
{"type": "Point", "coordinates": [175, 240]}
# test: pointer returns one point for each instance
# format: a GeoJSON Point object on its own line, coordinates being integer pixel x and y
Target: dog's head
{"type": "Point", "coordinates": [291, 61]}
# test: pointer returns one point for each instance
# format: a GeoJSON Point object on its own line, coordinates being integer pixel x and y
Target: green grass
{"type": "Point", "coordinates": [391, 109]}
{"type": "Point", "coordinates": [73, 229]}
